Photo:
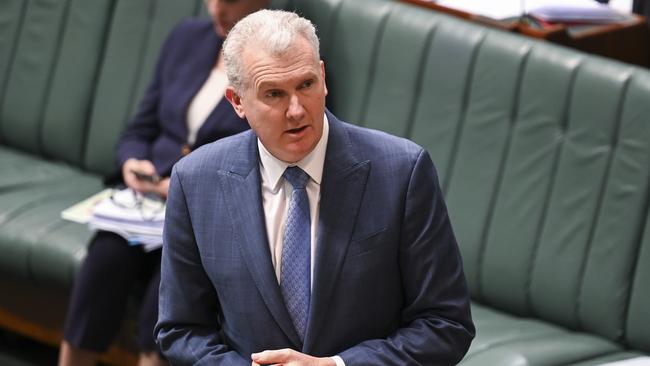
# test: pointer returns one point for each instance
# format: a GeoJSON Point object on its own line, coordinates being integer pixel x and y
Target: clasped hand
{"type": "Point", "coordinates": [289, 357]}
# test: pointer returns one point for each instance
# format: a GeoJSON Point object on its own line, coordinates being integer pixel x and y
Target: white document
{"type": "Point", "coordinates": [577, 11]}
{"type": "Point", "coordinates": [637, 361]}
{"type": "Point", "coordinates": [138, 219]}
{"type": "Point", "coordinates": [504, 9]}
{"type": "Point", "coordinates": [83, 211]}
{"type": "Point", "coordinates": [624, 6]}
{"type": "Point", "coordinates": [501, 9]}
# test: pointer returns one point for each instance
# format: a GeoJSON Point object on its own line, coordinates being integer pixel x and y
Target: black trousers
{"type": "Point", "coordinates": [111, 271]}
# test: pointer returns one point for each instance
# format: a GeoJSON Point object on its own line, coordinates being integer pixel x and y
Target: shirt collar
{"type": "Point", "coordinates": [272, 168]}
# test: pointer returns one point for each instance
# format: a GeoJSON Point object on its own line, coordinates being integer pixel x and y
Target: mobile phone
{"type": "Point", "coordinates": [151, 178]}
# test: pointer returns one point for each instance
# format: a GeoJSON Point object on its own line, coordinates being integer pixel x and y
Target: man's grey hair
{"type": "Point", "coordinates": [270, 31]}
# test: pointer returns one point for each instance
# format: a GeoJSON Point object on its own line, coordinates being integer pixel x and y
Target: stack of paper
{"type": "Point", "coordinates": [502, 9]}
{"type": "Point", "coordinates": [137, 218]}
{"type": "Point", "coordinates": [570, 11]}
{"type": "Point", "coordinates": [82, 212]}
{"type": "Point", "coordinates": [637, 361]}
{"type": "Point", "coordinates": [577, 12]}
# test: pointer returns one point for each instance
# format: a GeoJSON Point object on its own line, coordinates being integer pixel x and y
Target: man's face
{"type": "Point", "coordinates": [283, 99]}
{"type": "Point", "coordinates": [225, 13]}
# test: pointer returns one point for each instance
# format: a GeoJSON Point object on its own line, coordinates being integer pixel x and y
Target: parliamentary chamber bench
{"type": "Point", "coordinates": [543, 154]}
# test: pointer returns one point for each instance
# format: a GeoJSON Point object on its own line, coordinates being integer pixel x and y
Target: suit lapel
{"type": "Point", "coordinates": [342, 189]}
{"type": "Point", "coordinates": [245, 204]}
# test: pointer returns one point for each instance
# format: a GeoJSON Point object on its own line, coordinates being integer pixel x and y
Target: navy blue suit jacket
{"type": "Point", "coordinates": [158, 131]}
{"type": "Point", "coordinates": [388, 286]}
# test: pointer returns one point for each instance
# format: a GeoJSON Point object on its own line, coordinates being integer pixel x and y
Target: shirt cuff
{"type": "Point", "coordinates": [338, 360]}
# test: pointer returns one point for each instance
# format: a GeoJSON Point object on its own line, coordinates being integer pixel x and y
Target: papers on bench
{"type": "Point", "coordinates": [502, 9]}
{"type": "Point", "coordinates": [579, 11]}
{"type": "Point", "coordinates": [136, 217]}
{"type": "Point", "coordinates": [637, 361]}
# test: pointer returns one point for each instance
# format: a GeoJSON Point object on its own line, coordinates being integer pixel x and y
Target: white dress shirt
{"type": "Point", "coordinates": [276, 193]}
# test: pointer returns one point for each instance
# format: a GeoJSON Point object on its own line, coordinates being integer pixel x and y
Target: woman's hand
{"type": "Point", "coordinates": [133, 168]}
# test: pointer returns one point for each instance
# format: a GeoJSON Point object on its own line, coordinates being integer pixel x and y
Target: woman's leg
{"type": "Point", "coordinates": [99, 298]}
{"type": "Point", "coordinates": [149, 352]}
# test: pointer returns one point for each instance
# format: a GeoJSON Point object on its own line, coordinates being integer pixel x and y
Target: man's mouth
{"type": "Point", "coordinates": [296, 130]}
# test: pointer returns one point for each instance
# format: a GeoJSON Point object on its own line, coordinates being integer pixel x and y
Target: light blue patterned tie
{"type": "Point", "coordinates": [295, 278]}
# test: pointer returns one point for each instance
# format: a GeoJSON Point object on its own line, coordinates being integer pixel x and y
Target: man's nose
{"type": "Point", "coordinates": [295, 110]}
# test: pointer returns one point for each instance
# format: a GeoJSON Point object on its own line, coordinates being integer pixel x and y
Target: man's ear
{"type": "Point", "coordinates": [322, 70]}
{"type": "Point", "coordinates": [235, 101]}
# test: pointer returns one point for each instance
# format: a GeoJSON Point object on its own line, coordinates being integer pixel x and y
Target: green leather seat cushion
{"type": "Point", "coordinates": [504, 340]}
{"type": "Point", "coordinates": [20, 170]}
{"type": "Point", "coordinates": [618, 356]}
{"type": "Point", "coordinates": [36, 243]}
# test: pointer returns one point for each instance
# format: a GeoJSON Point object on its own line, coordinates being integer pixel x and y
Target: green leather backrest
{"type": "Point", "coordinates": [638, 321]}
{"type": "Point", "coordinates": [590, 177]}
{"type": "Point", "coordinates": [322, 14]}
{"type": "Point", "coordinates": [529, 166]}
{"type": "Point", "coordinates": [351, 60]}
{"type": "Point", "coordinates": [614, 251]}
{"type": "Point", "coordinates": [280, 4]}
{"type": "Point", "coordinates": [569, 210]}
{"type": "Point", "coordinates": [542, 153]}
{"type": "Point", "coordinates": [399, 61]}
{"type": "Point", "coordinates": [29, 71]}
{"type": "Point", "coordinates": [473, 173]}
{"type": "Point", "coordinates": [439, 111]}
{"type": "Point", "coordinates": [136, 33]}
{"type": "Point", "coordinates": [11, 14]}
{"type": "Point", "coordinates": [55, 59]}
{"type": "Point", "coordinates": [71, 86]}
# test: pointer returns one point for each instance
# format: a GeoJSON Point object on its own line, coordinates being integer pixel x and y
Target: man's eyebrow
{"type": "Point", "coordinates": [266, 85]}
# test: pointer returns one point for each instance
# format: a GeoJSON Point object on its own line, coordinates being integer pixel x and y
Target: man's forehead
{"type": "Point", "coordinates": [262, 67]}
{"type": "Point", "coordinates": [278, 75]}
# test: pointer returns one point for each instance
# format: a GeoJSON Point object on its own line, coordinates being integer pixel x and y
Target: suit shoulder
{"type": "Point", "coordinates": [215, 155]}
{"type": "Point", "coordinates": [376, 142]}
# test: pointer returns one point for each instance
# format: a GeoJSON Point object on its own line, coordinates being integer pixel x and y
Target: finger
{"type": "Point", "coordinates": [273, 356]}
{"type": "Point", "coordinates": [139, 185]}
{"type": "Point", "coordinates": [162, 187]}
{"type": "Point", "coordinates": [146, 167]}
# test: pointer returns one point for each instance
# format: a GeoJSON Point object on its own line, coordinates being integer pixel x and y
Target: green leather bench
{"type": "Point", "coordinates": [71, 74]}
{"type": "Point", "coordinates": [542, 153]}
{"type": "Point", "coordinates": [544, 158]}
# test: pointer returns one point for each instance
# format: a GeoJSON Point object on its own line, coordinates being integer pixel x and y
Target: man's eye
{"type": "Point", "coordinates": [307, 84]}
{"type": "Point", "coordinates": [273, 94]}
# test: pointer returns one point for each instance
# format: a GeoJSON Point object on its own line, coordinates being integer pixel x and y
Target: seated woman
{"type": "Point", "coordinates": [182, 109]}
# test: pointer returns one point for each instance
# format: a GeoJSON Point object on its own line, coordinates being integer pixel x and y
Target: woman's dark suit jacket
{"type": "Point", "coordinates": [158, 132]}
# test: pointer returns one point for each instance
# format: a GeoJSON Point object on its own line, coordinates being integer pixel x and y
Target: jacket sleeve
{"type": "Point", "coordinates": [436, 326]}
{"type": "Point", "coordinates": [187, 331]}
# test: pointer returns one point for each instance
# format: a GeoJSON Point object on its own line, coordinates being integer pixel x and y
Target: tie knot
{"type": "Point", "coordinates": [296, 177]}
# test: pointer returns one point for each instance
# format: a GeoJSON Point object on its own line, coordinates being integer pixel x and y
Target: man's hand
{"type": "Point", "coordinates": [144, 167]}
{"type": "Point", "coordinates": [289, 357]}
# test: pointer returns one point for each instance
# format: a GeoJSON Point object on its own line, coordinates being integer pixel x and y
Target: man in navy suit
{"type": "Point", "coordinates": [383, 273]}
